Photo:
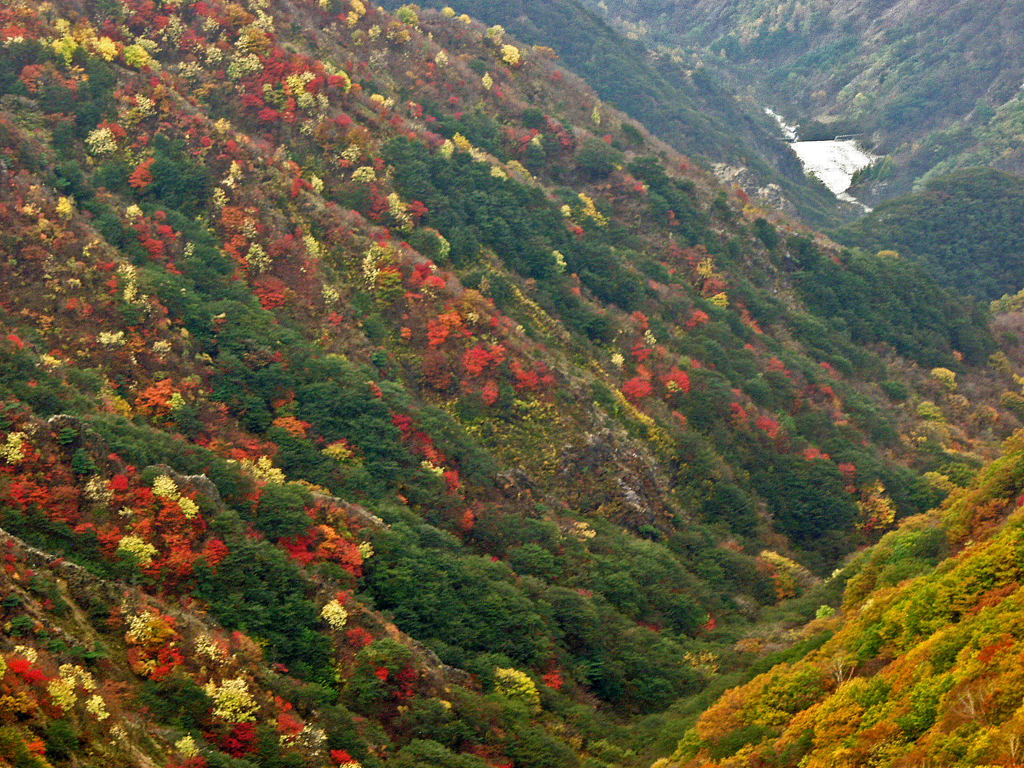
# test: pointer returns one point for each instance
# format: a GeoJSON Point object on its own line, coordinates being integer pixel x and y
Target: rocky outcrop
{"type": "Point", "coordinates": [623, 481]}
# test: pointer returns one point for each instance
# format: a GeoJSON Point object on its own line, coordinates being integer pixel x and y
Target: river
{"type": "Point", "coordinates": [834, 162]}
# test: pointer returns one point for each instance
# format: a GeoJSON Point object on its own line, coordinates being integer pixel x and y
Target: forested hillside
{"type": "Point", "coordinates": [373, 393]}
{"type": "Point", "coordinates": [923, 667]}
{"type": "Point", "coordinates": [935, 86]}
{"type": "Point", "coordinates": [964, 228]}
{"type": "Point", "coordinates": [688, 107]}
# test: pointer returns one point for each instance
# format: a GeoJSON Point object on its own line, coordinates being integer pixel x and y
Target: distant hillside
{"type": "Point", "coordinates": [688, 107]}
{"type": "Point", "coordinates": [930, 84]}
{"type": "Point", "coordinates": [966, 229]}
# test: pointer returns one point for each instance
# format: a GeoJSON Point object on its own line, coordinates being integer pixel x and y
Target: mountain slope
{"type": "Point", "coordinates": [923, 664]}
{"type": "Point", "coordinates": [337, 337]}
{"type": "Point", "coordinates": [932, 85]}
{"type": "Point", "coordinates": [964, 227]}
{"type": "Point", "coordinates": [686, 107]}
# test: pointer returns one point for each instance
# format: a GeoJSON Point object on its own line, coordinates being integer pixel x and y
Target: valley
{"type": "Point", "coordinates": [835, 162]}
{"type": "Point", "coordinates": [471, 386]}
{"type": "Point", "coordinates": [934, 86]}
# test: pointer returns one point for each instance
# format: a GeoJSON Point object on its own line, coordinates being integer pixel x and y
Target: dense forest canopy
{"type": "Point", "coordinates": [965, 228]}
{"type": "Point", "coordinates": [689, 108]}
{"type": "Point", "coordinates": [374, 393]}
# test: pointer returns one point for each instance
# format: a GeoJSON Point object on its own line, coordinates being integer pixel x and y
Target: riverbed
{"type": "Point", "coordinates": [834, 162]}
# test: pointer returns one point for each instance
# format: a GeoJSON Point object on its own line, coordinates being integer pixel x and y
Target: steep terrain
{"type": "Point", "coordinates": [685, 106]}
{"type": "Point", "coordinates": [923, 665]}
{"type": "Point", "coordinates": [935, 86]}
{"type": "Point", "coordinates": [371, 392]}
{"type": "Point", "coordinates": [965, 228]}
